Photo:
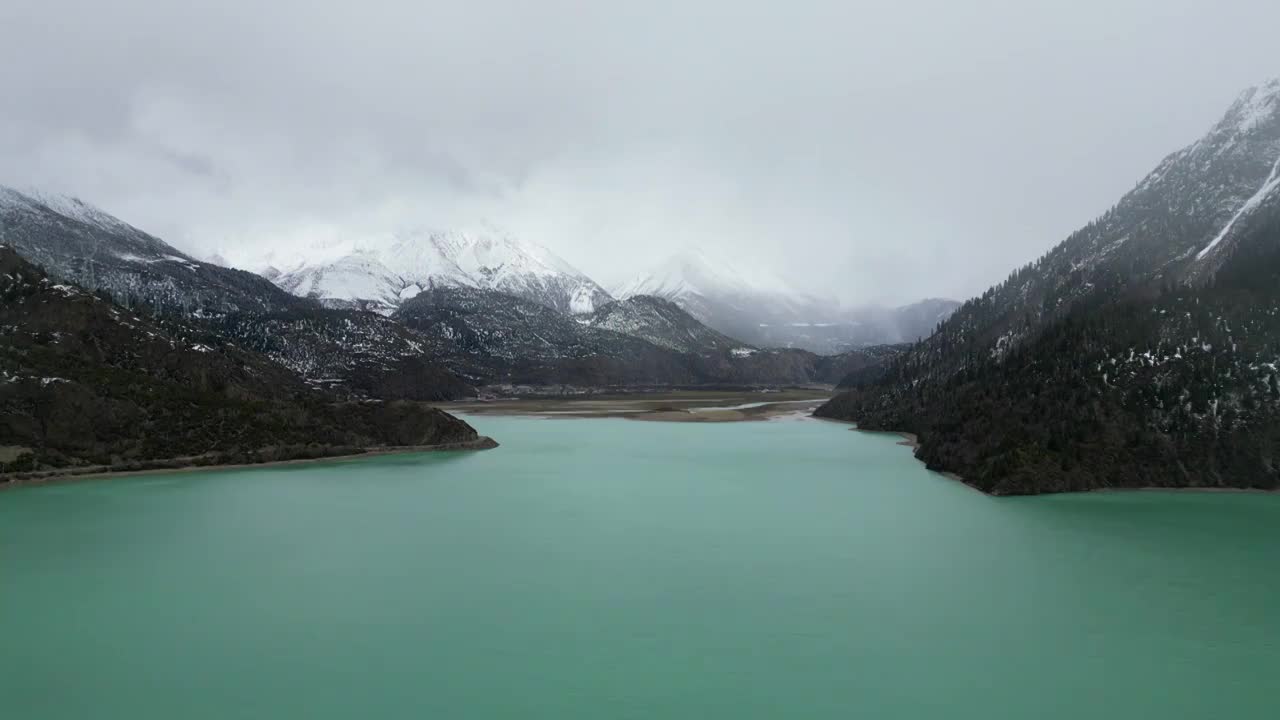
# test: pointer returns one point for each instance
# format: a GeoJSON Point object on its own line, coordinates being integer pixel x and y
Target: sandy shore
{"type": "Point", "coordinates": [677, 406]}
{"type": "Point", "coordinates": [189, 464]}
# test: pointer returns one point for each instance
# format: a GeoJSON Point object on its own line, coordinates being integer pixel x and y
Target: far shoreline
{"type": "Point", "coordinates": [912, 441]}
{"type": "Point", "coordinates": [483, 442]}
{"type": "Point", "coordinates": [682, 406]}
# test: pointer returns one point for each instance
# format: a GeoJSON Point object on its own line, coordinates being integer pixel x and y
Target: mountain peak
{"type": "Point", "coordinates": [694, 272]}
{"type": "Point", "coordinates": [382, 271]}
{"type": "Point", "coordinates": [1254, 107]}
{"type": "Point", "coordinates": [74, 208]}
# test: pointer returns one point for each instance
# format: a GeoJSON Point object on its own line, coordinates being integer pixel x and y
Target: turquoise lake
{"type": "Point", "coordinates": [617, 569]}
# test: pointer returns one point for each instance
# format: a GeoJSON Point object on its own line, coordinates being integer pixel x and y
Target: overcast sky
{"type": "Point", "coordinates": [879, 151]}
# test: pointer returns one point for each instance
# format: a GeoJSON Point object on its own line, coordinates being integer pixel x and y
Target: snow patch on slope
{"type": "Point", "coordinates": [1257, 105]}
{"type": "Point", "coordinates": [1268, 186]}
{"type": "Point", "coordinates": [382, 269]}
{"type": "Point", "coordinates": [582, 301]}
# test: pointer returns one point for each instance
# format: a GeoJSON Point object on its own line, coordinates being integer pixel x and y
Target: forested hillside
{"type": "Point", "coordinates": [1142, 351]}
{"type": "Point", "coordinates": [85, 382]}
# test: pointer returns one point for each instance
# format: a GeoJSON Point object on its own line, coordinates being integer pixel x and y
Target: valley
{"type": "Point", "coordinates": [1147, 339]}
{"type": "Point", "coordinates": [122, 353]}
{"type": "Point", "coordinates": [652, 361]}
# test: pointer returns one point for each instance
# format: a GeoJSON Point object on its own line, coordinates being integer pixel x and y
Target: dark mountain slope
{"type": "Point", "coordinates": [662, 323]}
{"type": "Point", "coordinates": [354, 352]}
{"type": "Point", "coordinates": [85, 382]}
{"type": "Point", "coordinates": [94, 250]}
{"type": "Point", "coordinates": [360, 353]}
{"type": "Point", "coordinates": [1138, 352]}
{"type": "Point", "coordinates": [497, 339]}
{"type": "Point", "coordinates": [910, 323]}
{"type": "Point", "coordinates": [494, 338]}
{"type": "Point", "coordinates": [1161, 232]}
{"type": "Point", "coordinates": [1181, 390]}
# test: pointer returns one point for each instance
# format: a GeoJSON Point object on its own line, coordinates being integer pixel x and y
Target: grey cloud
{"type": "Point", "coordinates": [191, 162]}
{"type": "Point", "coordinates": [880, 152]}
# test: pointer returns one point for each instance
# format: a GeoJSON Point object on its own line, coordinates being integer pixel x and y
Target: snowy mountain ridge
{"type": "Point", "coordinates": [30, 200]}
{"type": "Point", "coordinates": [760, 308]}
{"type": "Point", "coordinates": [694, 272]}
{"type": "Point", "coordinates": [1253, 107]}
{"type": "Point", "coordinates": [380, 273]}
{"type": "Point", "coordinates": [440, 343]}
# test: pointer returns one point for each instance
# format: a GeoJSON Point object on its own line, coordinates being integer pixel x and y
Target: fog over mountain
{"type": "Point", "coordinates": [876, 153]}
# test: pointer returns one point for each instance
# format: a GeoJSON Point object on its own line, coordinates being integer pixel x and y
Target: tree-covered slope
{"type": "Point", "coordinates": [662, 323]}
{"type": "Point", "coordinates": [493, 338]}
{"type": "Point", "coordinates": [1179, 390]}
{"type": "Point", "coordinates": [86, 382]}
{"type": "Point", "coordinates": [1139, 352]}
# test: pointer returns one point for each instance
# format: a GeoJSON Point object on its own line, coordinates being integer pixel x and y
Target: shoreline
{"type": "Point", "coordinates": [1159, 488]}
{"type": "Point", "coordinates": [679, 406]}
{"type": "Point", "coordinates": [483, 442]}
{"type": "Point", "coordinates": [912, 441]}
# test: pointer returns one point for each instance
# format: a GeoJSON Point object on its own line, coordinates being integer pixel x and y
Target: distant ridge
{"type": "Point", "coordinates": [381, 273]}
{"type": "Point", "coordinates": [440, 342]}
{"type": "Point", "coordinates": [762, 309]}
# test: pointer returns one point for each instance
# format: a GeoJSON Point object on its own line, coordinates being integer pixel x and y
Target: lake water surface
{"type": "Point", "coordinates": [615, 569]}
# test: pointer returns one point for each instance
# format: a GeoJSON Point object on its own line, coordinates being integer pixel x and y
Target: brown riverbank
{"type": "Point", "coordinates": [199, 463]}
{"type": "Point", "coordinates": [676, 406]}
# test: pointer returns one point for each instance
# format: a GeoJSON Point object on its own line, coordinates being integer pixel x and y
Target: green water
{"type": "Point", "coordinates": [615, 569]}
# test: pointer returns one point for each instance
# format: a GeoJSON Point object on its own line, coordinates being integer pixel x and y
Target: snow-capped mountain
{"type": "Point", "coordinates": [692, 274]}
{"type": "Point", "coordinates": [737, 300]}
{"type": "Point", "coordinates": [764, 310]}
{"type": "Point", "coordinates": [381, 273]}
{"type": "Point", "coordinates": [359, 353]}
{"type": "Point", "coordinates": [32, 199]}
{"type": "Point", "coordinates": [441, 341]}
{"type": "Point", "coordinates": [77, 242]}
{"type": "Point", "coordinates": [496, 339]}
